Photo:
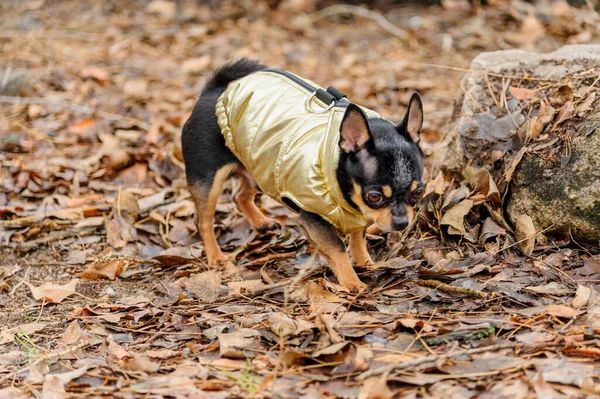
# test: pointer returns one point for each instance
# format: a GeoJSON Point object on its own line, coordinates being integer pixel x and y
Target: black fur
{"type": "Point", "coordinates": [202, 144]}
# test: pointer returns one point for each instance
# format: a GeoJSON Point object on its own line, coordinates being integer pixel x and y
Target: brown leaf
{"type": "Point", "coordinates": [483, 182]}
{"type": "Point", "coordinates": [162, 353]}
{"type": "Point", "coordinates": [53, 388]}
{"type": "Point", "coordinates": [284, 326]}
{"type": "Point", "coordinates": [125, 211]}
{"type": "Point", "coordinates": [490, 229]}
{"type": "Point", "coordinates": [111, 148]}
{"type": "Point", "coordinates": [586, 104]}
{"type": "Point", "coordinates": [582, 296]}
{"type": "Point", "coordinates": [376, 388]}
{"type": "Point", "coordinates": [454, 217]}
{"type": "Point", "coordinates": [140, 362]}
{"type": "Point", "coordinates": [561, 95]}
{"type": "Point", "coordinates": [117, 351]}
{"type": "Point", "coordinates": [206, 286]}
{"type": "Point", "coordinates": [525, 234]}
{"type": "Point", "coordinates": [72, 334]}
{"type": "Point", "coordinates": [552, 288]}
{"type": "Point", "coordinates": [99, 74]}
{"type": "Point", "coordinates": [7, 335]}
{"type": "Point", "coordinates": [246, 286]}
{"type": "Point", "coordinates": [107, 269]}
{"type": "Point", "coordinates": [437, 185]}
{"type": "Point", "coordinates": [521, 93]}
{"type": "Point", "coordinates": [564, 113]}
{"type": "Point", "coordinates": [239, 344]}
{"type": "Point", "coordinates": [50, 292]}
{"type": "Point", "coordinates": [82, 126]}
{"type": "Point", "coordinates": [562, 311]}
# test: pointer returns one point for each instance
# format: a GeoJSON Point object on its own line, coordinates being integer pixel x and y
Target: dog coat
{"type": "Point", "coordinates": [287, 138]}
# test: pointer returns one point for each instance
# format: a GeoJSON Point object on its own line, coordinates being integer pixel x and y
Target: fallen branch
{"type": "Point", "coordinates": [269, 258]}
{"type": "Point", "coordinates": [449, 289]}
{"type": "Point", "coordinates": [361, 12]}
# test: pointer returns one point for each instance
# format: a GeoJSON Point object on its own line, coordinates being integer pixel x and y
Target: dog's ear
{"type": "Point", "coordinates": [411, 125]}
{"type": "Point", "coordinates": [354, 131]}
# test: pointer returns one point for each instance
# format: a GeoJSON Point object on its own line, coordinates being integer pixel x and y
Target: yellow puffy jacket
{"type": "Point", "coordinates": [288, 141]}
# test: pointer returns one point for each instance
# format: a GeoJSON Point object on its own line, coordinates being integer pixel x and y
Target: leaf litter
{"type": "Point", "coordinates": [105, 289]}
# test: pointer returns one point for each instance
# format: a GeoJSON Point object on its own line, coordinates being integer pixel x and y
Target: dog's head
{"type": "Point", "coordinates": [381, 165]}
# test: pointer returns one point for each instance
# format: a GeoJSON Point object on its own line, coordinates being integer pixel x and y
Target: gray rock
{"type": "Point", "coordinates": [561, 198]}
{"type": "Point", "coordinates": [557, 182]}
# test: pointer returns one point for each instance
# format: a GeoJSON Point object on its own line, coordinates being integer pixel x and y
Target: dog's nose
{"type": "Point", "coordinates": [400, 223]}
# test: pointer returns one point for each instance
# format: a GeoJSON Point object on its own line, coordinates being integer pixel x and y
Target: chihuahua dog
{"type": "Point", "coordinates": [340, 166]}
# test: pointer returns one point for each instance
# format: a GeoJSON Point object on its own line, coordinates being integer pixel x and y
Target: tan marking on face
{"type": "Point", "coordinates": [387, 191]}
{"type": "Point", "coordinates": [414, 185]}
{"type": "Point", "coordinates": [410, 213]}
{"type": "Point", "coordinates": [382, 217]}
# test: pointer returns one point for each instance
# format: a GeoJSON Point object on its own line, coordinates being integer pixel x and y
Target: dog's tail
{"type": "Point", "coordinates": [232, 71]}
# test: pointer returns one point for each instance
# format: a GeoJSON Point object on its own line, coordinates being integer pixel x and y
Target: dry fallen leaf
{"type": "Point", "coordinates": [521, 93]}
{"type": "Point", "coordinates": [582, 296]}
{"type": "Point", "coordinates": [140, 362]}
{"type": "Point", "coordinates": [376, 388]}
{"type": "Point", "coordinates": [50, 292]}
{"type": "Point", "coordinates": [82, 126]}
{"type": "Point", "coordinates": [552, 288]}
{"type": "Point", "coordinates": [206, 286]}
{"type": "Point", "coordinates": [454, 217]}
{"type": "Point", "coordinates": [239, 344]}
{"type": "Point", "coordinates": [162, 353]}
{"type": "Point", "coordinates": [525, 234]}
{"type": "Point", "coordinates": [564, 113]}
{"type": "Point", "coordinates": [586, 104]}
{"type": "Point", "coordinates": [29, 328]}
{"type": "Point", "coordinates": [109, 269]}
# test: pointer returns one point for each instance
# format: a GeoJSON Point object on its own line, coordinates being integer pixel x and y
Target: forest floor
{"type": "Point", "coordinates": [104, 289]}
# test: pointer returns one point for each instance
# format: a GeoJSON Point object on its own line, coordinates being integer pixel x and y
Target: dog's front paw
{"type": "Point", "coordinates": [268, 225]}
{"type": "Point", "coordinates": [228, 269]}
{"type": "Point", "coordinates": [355, 286]}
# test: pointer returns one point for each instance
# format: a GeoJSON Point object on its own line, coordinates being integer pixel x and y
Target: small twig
{"type": "Point", "coordinates": [361, 12]}
{"type": "Point", "coordinates": [449, 289]}
{"type": "Point", "coordinates": [435, 358]}
{"type": "Point", "coordinates": [270, 257]}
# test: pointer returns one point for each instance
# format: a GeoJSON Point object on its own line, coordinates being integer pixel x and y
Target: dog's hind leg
{"type": "Point", "coordinates": [205, 193]}
{"type": "Point", "coordinates": [244, 194]}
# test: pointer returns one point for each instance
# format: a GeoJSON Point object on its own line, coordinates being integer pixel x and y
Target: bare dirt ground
{"type": "Point", "coordinates": [104, 290]}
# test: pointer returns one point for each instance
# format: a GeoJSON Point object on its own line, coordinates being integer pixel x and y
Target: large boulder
{"type": "Point", "coordinates": [532, 120]}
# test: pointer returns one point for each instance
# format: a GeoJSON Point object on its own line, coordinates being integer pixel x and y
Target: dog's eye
{"type": "Point", "coordinates": [418, 193]}
{"type": "Point", "coordinates": [374, 197]}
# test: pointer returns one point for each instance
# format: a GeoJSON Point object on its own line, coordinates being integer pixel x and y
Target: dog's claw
{"type": "Point", "coordinates": [271, 225]}
{"type": "Point", "coordinates": [357, 287]}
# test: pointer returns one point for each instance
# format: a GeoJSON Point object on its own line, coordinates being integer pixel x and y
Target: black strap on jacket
{"type": "Point", "coordinates": [326, 96]}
